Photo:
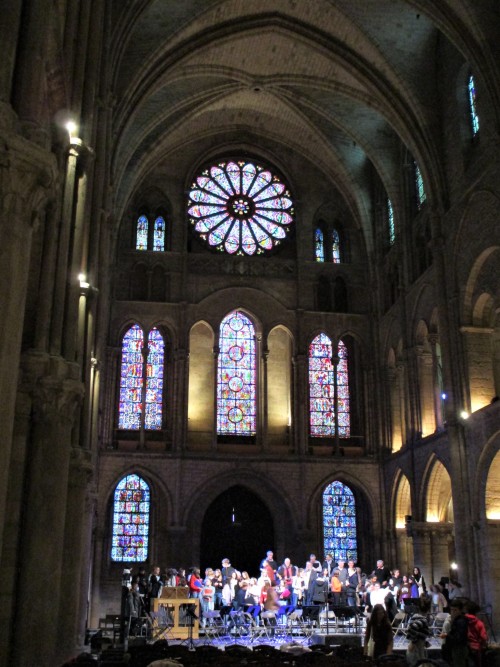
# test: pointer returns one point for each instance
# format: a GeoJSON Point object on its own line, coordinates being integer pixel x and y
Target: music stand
{"type": "Point", "coordinates": [192, 617]}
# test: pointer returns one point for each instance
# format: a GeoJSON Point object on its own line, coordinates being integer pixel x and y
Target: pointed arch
{"type": "Point", "coordinates": [492, 494]}
{"type": "Point", "coordinates": [438, 494]}
{"type": "Point", "coordinates": [319, 248]}
{"type": "Point", "coordinates": [141, 233]}
{"type": "Point", "coordinates": [237, 376]}
{"type": "Point", "coordinates": [339, 522]}
{"type": "Point", "coordinates": [159, 234]}
{"type": "Point", "coordinates": [472, 94]}
{"type": "Point", "coordinates": [402, 505]}
{"type": "Point", "coordinates": [321, 387]}
{"type": "Point", "coordinates": [336, 250]}
{"type": "Point", "coordinates": [131, 513]}
{"type": "Point", "coordinates": [131, 379]}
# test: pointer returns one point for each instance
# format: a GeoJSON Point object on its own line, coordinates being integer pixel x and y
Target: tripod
{"type": "Point", "coordinates": [191, 616]}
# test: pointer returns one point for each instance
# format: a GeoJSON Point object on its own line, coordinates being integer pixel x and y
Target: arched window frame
{"type": "Point", "coordinates": [336, 246]}
{"type": "Point", "coordinates": [150, 231]}
{"type": "Point", "coordinates": [131, 520]}
{"type": "Point", "coordinates": [328, 417]}
{"type": "Point", "coordinates": [419, 186]}
{"type": "Point", "coordinates": [143, 384]}
{"type": "Point", "coordinates": [339, 522]}
{"type": "Point", "coordinates": [472, 98]}
{"type": "Point", "coordinates": [237, 377]}
{"type": "Point", "coordinates": [391, 228]}
{"type": "Point", "coordinates": [319, 245]}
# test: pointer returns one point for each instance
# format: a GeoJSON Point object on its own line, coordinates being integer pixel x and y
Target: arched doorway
{"type": "Point", "coordinates": [239, 526]}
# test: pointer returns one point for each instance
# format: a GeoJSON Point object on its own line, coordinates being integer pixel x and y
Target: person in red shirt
{"type": "Point", "coordinates": [195, 584]}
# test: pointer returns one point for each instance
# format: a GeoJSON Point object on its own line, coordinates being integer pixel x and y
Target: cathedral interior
{"type": "Point", "coordinates": [247, 263]}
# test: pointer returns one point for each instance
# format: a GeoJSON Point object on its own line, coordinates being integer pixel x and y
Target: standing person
{"type": "Point", "coordinates": [382, 573]}
{"type": "Point", "coordinates": [298, 587]}
{"type": "Point", "coordinates": [155, 586]}
{"type": "Point", "coordinates": [321, 588]}
{"type": "Point", "coordinates": [455, 650]}
{"type": "Point", "coordinates": [342, 568]}
{"type": "Point", "coordinates": [315, 564]}
{"type": "Point", "coordinates": [287, 571]}
{"type": "Point", "coordinates": [419, 580]}
{"type": "Point", "coordinates": [477, 637]}
{"type": "Point", "coordinates": [352, 584]}
{"type": "Point", "coordinates": [195, 583]}
{"type": "Point", "coordinates": [378, 636]}
{"type": "Point", "coordinates": [329, 565]}
{"type": "Point", "coordinates": [217, 584]}
{"type": "Point", "coordinates": [271, 563]}
{"type": "Point", "coordinates": [310, 575]}
{"type": "Point", "coordinates": [133, 608]}
{"type": "Point", "coordinates": [336, 587]}
{"type": "Point", "coordinates": [207, 595]}
{"type": "Point", "coordinates": [226, 571]}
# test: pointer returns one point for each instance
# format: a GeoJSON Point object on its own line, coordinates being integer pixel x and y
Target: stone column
{"type": "Point", "coordinates": [426, 385]}
{"type": "Point", "coordinates": [75, 555]}
{"type": "Point", "coordinates": [402, 401]}
{"type": "Point", "coordinates": [40, 589]}
{"type": "Point", "coordinates": [181, 369]}
{"type": "Point", "coordinates": [216, 353]}
{"type": "Point", "coordinates": [301, 407]}
{"type": "Point", "coordinates": [404, 551]}
{"type": "Point", "coordinates": [438, 414]}
{"type": "Point", "coordinates": [395, 433]}
{"type": "Point", "coordinates": [422, 552]}
{"type": "Point", "coordinates": [9, 33]}
{"type": "Point", "coordinates": [30, 81]}
{"type": "Point", "coordinates": [264, 402]}
{"type": "Point", "coordinates": [441, 535]}
{"type": "Point", "coordinates": [480, 365]}
{"type": "Point", "coordinates": [63, 251]}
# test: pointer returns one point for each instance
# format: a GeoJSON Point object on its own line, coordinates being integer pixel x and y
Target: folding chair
{"type": "Point", "coordinates": [437, 624]}
{"type": "Point", "coordinates": [399, 628]}
{"type": "Point", "coordinates": [215, 627]}
{"type": "Point", "coordinates": [161, 624]}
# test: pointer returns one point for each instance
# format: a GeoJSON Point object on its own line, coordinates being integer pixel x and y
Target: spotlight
{"type": "Point", "coordinates": [444, 396]}
{"type": "Point", "coordinates": [464, 414]}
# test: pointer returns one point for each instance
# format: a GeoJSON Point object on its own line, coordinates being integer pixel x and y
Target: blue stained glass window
{"type": "Point", "coordinates": [141, 242]}
{"type": "Point", "coordinates": [154, 380]}
{"type": "Point", "coordinates": [322, 389]}
{"type": "Point", "coordinates": [473, 105]}
{"type": "Point", "coordinates": [335, 247]}
{"type": "Point", "coordinates": [236, 376]}
{"type": "Point", "coordinates": [419, 184]}
{"type": "Point", "coordinates": [159, 235]}
{"type": "Point", "coordinates": [131, 380]}
{"type": "Point", "coordinates": [131, 509]}
{"type": "Point", "coordinates": [319, 249]}
{"type": "Point", "coordinates": [339, 522]}
{"type": "Point", "coordinates": [240, 208]}
{"type": "Point", "coordinates": [133, 375]}
{"type": "Point", "coordinates": [390, 222]}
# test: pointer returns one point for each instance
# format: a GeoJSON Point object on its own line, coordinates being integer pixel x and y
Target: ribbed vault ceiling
{"type": "Point", "coordinates": [343, 83]}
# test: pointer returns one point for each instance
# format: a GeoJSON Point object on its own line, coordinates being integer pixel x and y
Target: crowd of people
{"type": "Point", "coordinates": [378, 596]}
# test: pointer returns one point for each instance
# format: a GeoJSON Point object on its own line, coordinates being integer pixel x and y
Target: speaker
{"type": "Point", "coordinates": [339, 639]}
{"type": "Point", "coordinates": [326, 640]}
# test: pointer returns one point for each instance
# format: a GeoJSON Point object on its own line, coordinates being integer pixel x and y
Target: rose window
{"type": "Point", "coordinates": [240, 208]}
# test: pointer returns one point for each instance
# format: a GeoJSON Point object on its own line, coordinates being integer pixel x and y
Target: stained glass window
{"type": "Point", "coordinates": [142, 233]}
{"type": "Point", "coordinates": [159, 235]}
{"type": "Point", "coordinates": [473, 105]}
{"type": "Point", "coordinates": [322, 389]}
{"type": "Point", "coordinates": [132, 380]}
{"type": "Point", "coordinates": [339, 522]}
{"type": "Point", "coordinates": [335, 247]}
{"type": "Point", "coordinates": [390, 222]}
{"type": "Point", "coordinates": [154, 380]}
{"type": "Point", "coordinates": [343, 411]}
{"type": "Point", "coordinates": [236, 376]}
{"type": "Point", "coordinates": [419, 184]}
{"type": "Point", "coordinates": [240, 208]}
{"type": "Point", "coordinates": [319, 249]}
{"type": "Point", "coordinates": [131, 520]}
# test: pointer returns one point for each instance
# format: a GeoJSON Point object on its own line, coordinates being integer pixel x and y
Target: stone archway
{"type": "Point", "coordinates": [237, 525]}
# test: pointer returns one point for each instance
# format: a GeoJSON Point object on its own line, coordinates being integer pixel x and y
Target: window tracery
{"type": "Point", "coordinates": [131, 509]}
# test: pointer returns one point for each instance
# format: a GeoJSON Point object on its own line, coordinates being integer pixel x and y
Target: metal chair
{"type": "Point", "coordinates": [399, 628]}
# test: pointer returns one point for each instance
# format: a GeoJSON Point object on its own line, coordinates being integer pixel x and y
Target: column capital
{"type": "Point", "coordinates": [56, 401]}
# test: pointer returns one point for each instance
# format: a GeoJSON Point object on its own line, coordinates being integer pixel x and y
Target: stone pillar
{"type": "Point", "coordinates": [61, 265]}
{"type": "Point", "coordinates": [480, 367]}
{"type": "Point", "coordinates": [181, 383]}
{"type": "Point", "coordinates": [41, 560]}
{"type": "Point", "coordinates": [404, 551]}
{"type": "Point", "coordinates": [441, 536]}
{"type": "Point", "coordinates": [426, 386]}
{"type": "Point", "coordinates": [216, 354]}
{"type": "Point", "coordinates": [301, 403]}
{"type": "Point", "coordinates": [9, 33]}
{"type": "Point", "coordinates": [402, 401]}
{"type": "Point", "coordinates": [438, 413]}
{"type": "Point", "coordinates": [75, 555]}
{"type": "Point", "coordinates": [394, 393]}
{"type": "Point", "coordinates": [422, 553]}
{"type": "Point", "coordinates": [264, 402]}
{"type": "Point", "coordinates": [29, 91]}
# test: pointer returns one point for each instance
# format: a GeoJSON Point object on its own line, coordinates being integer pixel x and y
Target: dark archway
{"type": "Point", "coordinates": [243, 537]}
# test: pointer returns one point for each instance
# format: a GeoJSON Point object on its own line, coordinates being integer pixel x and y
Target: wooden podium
{"type": "Point", "coordinates": [176, 611]}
